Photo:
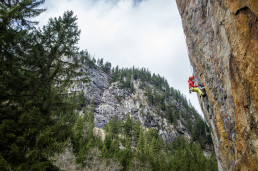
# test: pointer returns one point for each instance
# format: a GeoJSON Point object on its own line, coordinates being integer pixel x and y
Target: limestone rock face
{"type": "Point", "coordinates": [112, 100]}
{"type": "Point", "coordinates": [222, 39]}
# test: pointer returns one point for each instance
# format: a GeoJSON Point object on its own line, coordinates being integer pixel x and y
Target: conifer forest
{"type": "Point", "coordinates": [43, 119]}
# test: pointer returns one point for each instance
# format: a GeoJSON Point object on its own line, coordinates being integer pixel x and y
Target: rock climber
{"type": "Point", "coordinates": [194, 88]}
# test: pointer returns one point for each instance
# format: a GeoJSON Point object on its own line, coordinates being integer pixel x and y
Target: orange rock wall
{"type": "Point", "coordinates": [222, 40]}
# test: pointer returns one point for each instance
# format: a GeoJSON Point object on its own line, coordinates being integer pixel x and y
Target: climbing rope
{"type": "Point", "coordinates": [206, 132]}
{"type": "Point", "coordinates": [191, 67]}
{"type": "Point", "coordinates": [227, 127]}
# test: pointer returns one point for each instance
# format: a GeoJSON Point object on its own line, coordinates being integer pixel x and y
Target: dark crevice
{"type": "Point", "coordinates": [245, 8]}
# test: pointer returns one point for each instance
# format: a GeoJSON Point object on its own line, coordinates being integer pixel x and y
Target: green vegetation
{"type": "Point", "coordinates": [169, 103]}
{"type": "Point", "coordinates": [36, 108]}
{"type": "Point", "coordinates": [138, 149]}
{"type": "Point", "coordinates": [38, 113]}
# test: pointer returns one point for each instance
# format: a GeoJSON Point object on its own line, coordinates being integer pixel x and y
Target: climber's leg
{"type": "Point", "coordinates": [195, 89]}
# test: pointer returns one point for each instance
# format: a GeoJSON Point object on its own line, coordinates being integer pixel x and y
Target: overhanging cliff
{"type": "Point", "coordinates": [222, 42]}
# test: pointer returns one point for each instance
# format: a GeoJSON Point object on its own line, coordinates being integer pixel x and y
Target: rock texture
{"type": "Point", "coordinates": [112, 100]}
{"type": "Point", "coordinates": [222, 42]}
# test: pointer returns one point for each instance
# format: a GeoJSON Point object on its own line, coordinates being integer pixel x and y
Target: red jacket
{"type": "Point", "coordinates": [191, 84]}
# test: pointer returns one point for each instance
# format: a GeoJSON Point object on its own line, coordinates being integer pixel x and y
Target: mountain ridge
{"type": "Point", "coordinates": [133, 90]}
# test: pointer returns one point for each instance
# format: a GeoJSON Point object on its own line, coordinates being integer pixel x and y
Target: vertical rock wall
{"type": "Point", "coordinates": [222, 37]}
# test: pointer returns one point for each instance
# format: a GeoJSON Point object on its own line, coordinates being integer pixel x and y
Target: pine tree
{"type": "Point", "coordinates": [77, 131]}
{"type": "Point", "coordinates": [140, 144]}
{"type": "Point", "coordinates": [107, 141]}
{"type": "Point", "coordinates": [107, 67]}
{"type": "Point", "coordinates": [128, 125]}
{"type": "Point", "coordinates": [34, 80]}
{"type": "Point", "coordinates": [137, 130]}
{"type": "Point", "coordinates": [169, 113]}
{"type": "Point", "coordinates": [114, 147]}
{"type": "Point", "coordinates": [14, 27]}
{"type": "Point", "coordinates": [150, 96]}
{"type": "Point", "coordinates": [104, 150]}
{"type": "Point", "coordinates": [114, 125]}
{"type": "Point", "coordinates": [153, 147]}
{"type": "Point", "coordinates": [146, 147]}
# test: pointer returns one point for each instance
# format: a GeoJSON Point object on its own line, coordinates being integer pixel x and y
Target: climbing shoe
{"type": "Point", "coordinates": [204, 94]}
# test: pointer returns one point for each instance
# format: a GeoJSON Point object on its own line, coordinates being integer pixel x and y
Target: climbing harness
{"type": "Point", "coordinates": [200, 87]}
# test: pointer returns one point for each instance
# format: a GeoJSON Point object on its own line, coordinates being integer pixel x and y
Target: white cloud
{"type": "Point", "coordinates": [147, 35]}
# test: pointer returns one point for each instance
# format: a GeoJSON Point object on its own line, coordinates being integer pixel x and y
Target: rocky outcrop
{"type": "Point", "coordinates": [112, 100]}
{"type": "Point", "coordinates": [222, 42]}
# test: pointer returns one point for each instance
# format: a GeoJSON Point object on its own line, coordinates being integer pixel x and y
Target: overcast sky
{"type": "Point", "coordinates": [140, 33]}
